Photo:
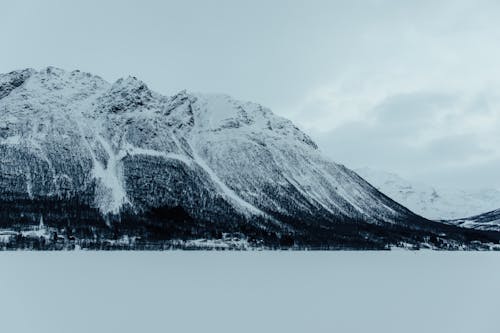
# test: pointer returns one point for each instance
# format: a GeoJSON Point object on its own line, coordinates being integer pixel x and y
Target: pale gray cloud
{"type": "Point", "coordinates": [422, 136]}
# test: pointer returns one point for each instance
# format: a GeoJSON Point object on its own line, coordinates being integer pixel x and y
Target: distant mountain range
{"type": "Point", "coordinates": [432, 202]}
{"type": "Point", "coordinates": [120, 166]}
{"type": "Point", "coordinates": [486, 221]}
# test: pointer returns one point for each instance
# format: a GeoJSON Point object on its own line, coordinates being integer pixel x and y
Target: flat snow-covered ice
{"type": "Point", "coordinates": [177, 291]}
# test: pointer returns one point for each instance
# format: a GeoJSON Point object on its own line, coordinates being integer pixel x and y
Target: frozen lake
{"type": "Point", "coordinates": [398, 291]}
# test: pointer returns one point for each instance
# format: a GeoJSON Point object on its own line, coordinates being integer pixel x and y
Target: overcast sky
{"type": "Point", "coordinates": [411, 87]}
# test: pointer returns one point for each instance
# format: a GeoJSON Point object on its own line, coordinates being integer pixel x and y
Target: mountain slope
{"type": "Point", "coordinates": [487, 221]}
{"type": "Point", "coordinates": [429, 201]}
{"type": "Point", "coordinates": [100, 161]}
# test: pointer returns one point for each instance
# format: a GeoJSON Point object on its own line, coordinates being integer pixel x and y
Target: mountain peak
{"type": "Point", "coordinates": [13, 80]}
{"type": "Point", "coordinates": [129, 83]}
{"type": "Point", "coordinates": [88, 153]}
{"type": "Point", "coordinates": [52, 70]}
{"type": "Point", "coordinates": [127, 94]}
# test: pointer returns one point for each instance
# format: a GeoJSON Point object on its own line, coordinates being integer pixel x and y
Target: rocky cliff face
{"type": "Point", "coordinates": [119, 159]}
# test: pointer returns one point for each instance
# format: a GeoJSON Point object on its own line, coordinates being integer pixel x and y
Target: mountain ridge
{"type": "Point", "coordinates": [461, 207]}
{"type": "Point", "coordinates": [189, 165]}
{"type": "Point", "coordinates": [489, 221]}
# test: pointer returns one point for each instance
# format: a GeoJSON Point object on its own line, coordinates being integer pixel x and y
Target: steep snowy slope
{"type": "Point", "coordinates": [432, 202]}
{"type": "Point", "coordinates": [487, 221]}
{"type": "Point", "coordinates": [119, 159]}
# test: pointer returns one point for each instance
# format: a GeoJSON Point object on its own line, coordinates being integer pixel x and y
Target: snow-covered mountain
{"type": "Point", "coordinates": [486, 221]}
{"type": "Point", "coordinates": [114, 160]}
{"type": "Point", "coordinates": [429, 201]}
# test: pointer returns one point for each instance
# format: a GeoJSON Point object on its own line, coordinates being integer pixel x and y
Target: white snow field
{"type": "Point", "coordinates": [399, 291]}
{"type": "Point", "coordinates": [435, 203]}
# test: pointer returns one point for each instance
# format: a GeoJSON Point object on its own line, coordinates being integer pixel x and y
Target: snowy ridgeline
{"type": "Point", "coordinates": [121, 166]}
{"type": "Point", "coordinates": [430, 201]}
{"type": "Point", "coordinates": [74, 135]}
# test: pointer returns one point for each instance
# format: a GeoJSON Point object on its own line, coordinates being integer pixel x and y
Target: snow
{"type": "Point", "coordinates": [37, 232]}
{"type": "Point", "coordinates": [34, 232]}
{"type": "Point", "coordinates": [242, 147]}
{"type": "Point", "coordinates": [214, 244]}
{"type": "Point", "coordinates": [490, 225]}
{"type": "Point", "coordinates": [129, 149]}
{"type": "Point", "coordinates": [348, 292]}
{"type": "Point", "coordinates": [230, 194]}
{"type": "Point", "coordinates": [221, 110]}
{"type": "Point", "coordinates": [6, 236]}
{"type": "Point", "coordinates": [430, 201]}
{"type": "Point", "coordinates": [11, 140]}
{"type": "Point", "coordinates": [110, 177]}
{"type": "Point", "coordinates": [224, 125]}
{"type": "Point", "coordinates": [486, 221]}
